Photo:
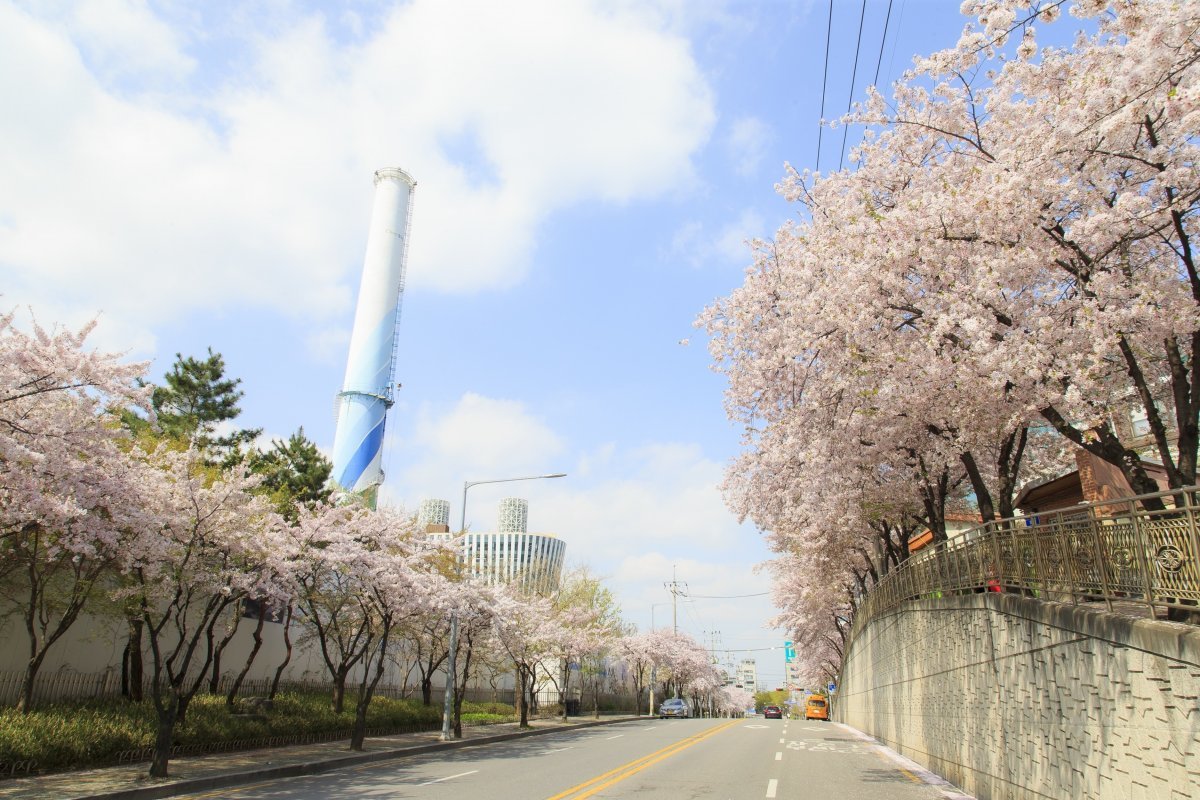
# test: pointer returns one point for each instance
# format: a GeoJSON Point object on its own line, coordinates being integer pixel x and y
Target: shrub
{"type": "Point", "coordinates": [502, 709]}
{"type": "Point", "coordinates": [95, 732]}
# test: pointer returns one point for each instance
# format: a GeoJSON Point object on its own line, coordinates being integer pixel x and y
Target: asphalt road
{"type": "Point", "coordinates": [647, 759]}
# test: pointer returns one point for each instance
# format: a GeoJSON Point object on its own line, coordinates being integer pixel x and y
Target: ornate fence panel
{"type": "Point", "coordinates": [1143, 549]}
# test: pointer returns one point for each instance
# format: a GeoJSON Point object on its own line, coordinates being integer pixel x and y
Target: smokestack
{"type": "Point", "coordinates": [367, 392]}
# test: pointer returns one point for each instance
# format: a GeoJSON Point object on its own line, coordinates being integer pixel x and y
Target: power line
{"type": "Point", "coordinates": [724, 596]}
{"type": "Point", "coordinates": [896, 40]}
{"type": "Point", "coordinates": [853, 77]}
{"type": "Point", "coordinates": [824, 82]}
{"type": "Point", "coordinates": [882, 42]}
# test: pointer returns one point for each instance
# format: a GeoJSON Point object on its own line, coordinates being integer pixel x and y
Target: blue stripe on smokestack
{"type": "Point", "coordinates": [369, 447]}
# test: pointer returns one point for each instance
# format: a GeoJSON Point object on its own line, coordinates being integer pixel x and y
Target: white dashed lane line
{"type": "Point", "coordinates": [448, 778]}
{"type": "Point", "coordinates": [779, 756]}
{"type": "Point", "coordinates": [772, 787]}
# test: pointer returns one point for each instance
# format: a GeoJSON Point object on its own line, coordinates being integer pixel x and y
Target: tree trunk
{"type": "Point", "coordinates": [427, 690]}
{"type": "Point", "coordinates": [339, 690]}
{"type": "Point", "coordinates": [287, 647]}
{"type": "Point", "coordinates": [522, 706]}
{"type": "Point", "coordinates": [214, 681]}
{"type": "Point", "coordinates": [562, 690]}
{"type": "Point", "coordinates": [465, 657]}
{"type": "Point", "coordinates": [367, 690]}
{"type": "Point", "coordinates": [185, 700]}
{"type": "Point", "coordinates": [258, 642]}
{"type": "Point", "coordinates": [983, 497]}
{"type": "Point", "coordinates": [163, 741]}
{"type": "Point", "coordinates": [137, 673]}
{"type": "Point", "coordinates": [25, 698]}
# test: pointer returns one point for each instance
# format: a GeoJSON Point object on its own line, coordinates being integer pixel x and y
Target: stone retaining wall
{"type": "Point", "coordinates": [1013, 698]}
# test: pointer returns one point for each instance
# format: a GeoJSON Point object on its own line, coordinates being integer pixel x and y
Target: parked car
{"type": "Point", "coordinates": [772, 712]}
{"type": "Point", "coordinates": [816, 708]}
{"type": "Point", "coordinates": [675, 707]}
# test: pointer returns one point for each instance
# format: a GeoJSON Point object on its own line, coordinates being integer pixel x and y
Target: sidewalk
{"type": "Point", "coordinates": [205, 773]}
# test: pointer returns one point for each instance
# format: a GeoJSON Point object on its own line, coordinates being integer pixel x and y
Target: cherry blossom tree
{"type": "Point", "coordinates": [429, 643]}
{"type": "Point", "coordinates": [636, 652]}
{"type": "Point", "coordinates": [590, 621]}
{"type": "Point", "coordinates": [731, 701]}
{"type": "Point", "coordinates": [359, 574]}
{"type": "Point", "coordinates": [476, 606]}
{"type": "Point", "coordinates": [1008, 256]}
{"type": "Point", "coordinates": [527, 630]}
{"type": "Point", "coordinates": [71, 487]}
{"type": "Point", "coordinates": [817, 613]}
{"type": "Point", "coordinates": [215, 543]}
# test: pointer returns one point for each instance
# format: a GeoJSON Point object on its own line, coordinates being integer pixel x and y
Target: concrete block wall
{"type": "Point", "coordinates": [1014, 698]}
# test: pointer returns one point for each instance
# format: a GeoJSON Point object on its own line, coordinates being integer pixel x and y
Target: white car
{"type": "Point", "coordinates": [675, 707]}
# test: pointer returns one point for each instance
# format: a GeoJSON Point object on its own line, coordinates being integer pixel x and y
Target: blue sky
{"type": "Point", "coordinates": [587, 176]}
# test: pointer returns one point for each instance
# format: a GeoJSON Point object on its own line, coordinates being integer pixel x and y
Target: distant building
{"type": "Point", "coordinates": [1093, 481]}
{"type": "Point", "coordinates": [434, 516]}
{"type": "Point", "coordinates": [510, 555]}
{"type": "Point", "coordinates": [747, 675]}
{"type": "Point", "coordinates": [955, 524]}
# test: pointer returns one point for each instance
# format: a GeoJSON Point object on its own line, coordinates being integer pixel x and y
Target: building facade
{"type": "Point", "coordinates": [747, 675]}
{"type": "Point", "coordinates": [509, 555]}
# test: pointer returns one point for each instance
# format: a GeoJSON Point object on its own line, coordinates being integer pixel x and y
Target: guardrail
{"type": "Point", "coordinates": [1139, 549]}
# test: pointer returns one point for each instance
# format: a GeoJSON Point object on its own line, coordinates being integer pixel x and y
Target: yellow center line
{"type": "Point", "coordinates": [637, 765]}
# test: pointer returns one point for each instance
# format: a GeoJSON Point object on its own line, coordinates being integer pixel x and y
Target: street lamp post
{"type": "Point", "coordinates": [451, 667]}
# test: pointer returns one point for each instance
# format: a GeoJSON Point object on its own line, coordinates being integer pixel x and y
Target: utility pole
{"type": "Point", "coordinates": [673, 588]}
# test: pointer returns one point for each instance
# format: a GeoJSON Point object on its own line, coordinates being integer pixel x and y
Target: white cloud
{"type": "Point", "coordinates": [124, 39]}
{"type": "Point", "coordinates": [747, 144]}
{"type": "Point", "coordinates": [503, 113]}
{"type": "Point", "coordinates": [689, 245]}
{"type": "Point", "coordinates": [613, 502]}
{"type": "Point", "coordinates": [694, 244]}
{"type": "Point", "coordinates": [731, 242]}
{"type": "Point", "coordinates": [479, 438]}
{"type": "Point", "coordinates": [329, 345]}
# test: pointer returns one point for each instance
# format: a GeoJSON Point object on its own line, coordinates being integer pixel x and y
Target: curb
{"type": "Point", "coordinates": [190, 785]}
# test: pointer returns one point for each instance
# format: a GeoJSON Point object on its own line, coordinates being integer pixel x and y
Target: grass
{"type": "Point", "coordinates": [94, 733]}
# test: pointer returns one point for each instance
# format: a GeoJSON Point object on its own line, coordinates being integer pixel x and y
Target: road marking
{"type": "Point", "coordinates": [758, 726]}
{"type": "Point", "coordinates": [448, 778]}
{"type": "Point", "coordinates": [781, 741]}
{"type": "Point", "coordinates": [559, 750]}
{"type": "Point", "coordinates": [618, 736]}
{"type": "Point", "coordinates": [779, 756]}
{"type": "Point", "coordinates": [613, 776]}
{"type": "Point", "coordinates": [772, 787]}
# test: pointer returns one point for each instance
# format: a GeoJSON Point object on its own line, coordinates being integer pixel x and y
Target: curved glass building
{"type": "Point", "coordinates": [510, 555]}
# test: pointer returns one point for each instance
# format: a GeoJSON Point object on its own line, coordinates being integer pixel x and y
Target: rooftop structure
{"type": "Point", "coordinates": [510, 555]}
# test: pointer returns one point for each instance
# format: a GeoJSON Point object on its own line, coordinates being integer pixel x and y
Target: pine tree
{"type": "Point", "coordinates": [295, 472]}
{"type": "Point", "coordinates": [195, 400]}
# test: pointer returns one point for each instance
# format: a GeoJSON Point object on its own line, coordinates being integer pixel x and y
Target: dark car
{"type": "Point", "coordinates": [675, 707]}
{"type": "Point", "coordinates": [772, 712]}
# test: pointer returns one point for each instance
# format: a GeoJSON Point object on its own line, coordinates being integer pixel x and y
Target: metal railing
{"type": "Point", "coordinates": [1129, 550]}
